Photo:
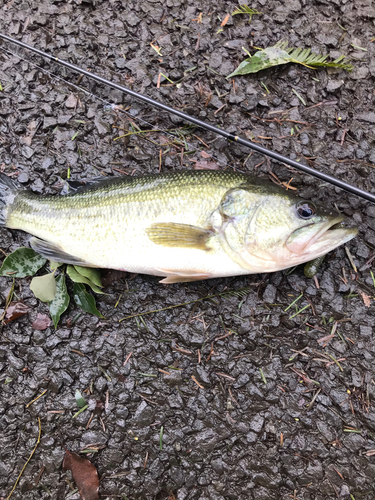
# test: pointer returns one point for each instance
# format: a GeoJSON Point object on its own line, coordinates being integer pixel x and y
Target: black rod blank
{"type": "Point", "coordinates": [255, 147]}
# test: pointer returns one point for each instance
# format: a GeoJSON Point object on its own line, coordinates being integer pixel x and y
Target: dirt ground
{"type": "Point", "coordinates": [229, 398]}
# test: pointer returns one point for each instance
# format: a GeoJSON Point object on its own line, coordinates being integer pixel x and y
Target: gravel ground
{"type": "Point", "coordinates": [305, 429]}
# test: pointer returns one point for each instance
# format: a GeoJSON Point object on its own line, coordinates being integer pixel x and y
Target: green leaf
{"type": "Point", "coordinates": [60, 302]}
{"type": "Point", "coordinates": [81, 402]}
{"type": "Point", "coordinates": [263, 59]}
{"type": "Point", "coordinates": [21, 263]}
{"type": "Point", "coordinates": [282, 54]}
{"type": "Point", "coordinates": [90, 273]}
{"type": "Point", "coordinates": [78, 278]}
{"type": "Point", "coordinates": [85, 300]}
{"type": "Point", "coordinates": [54, 265]}
{"type": "Point", "coordinates": [44, 287]}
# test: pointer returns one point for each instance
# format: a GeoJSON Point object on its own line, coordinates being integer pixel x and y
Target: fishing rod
{"type": "Point", "coordinates": [227, 135]}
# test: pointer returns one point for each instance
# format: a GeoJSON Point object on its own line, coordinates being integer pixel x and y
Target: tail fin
{"type": "Point", "coordinates": [8, 191]}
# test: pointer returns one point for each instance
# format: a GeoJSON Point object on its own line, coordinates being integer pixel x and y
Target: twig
{"type": "Point", "coordinates": [336, 361]}
{"type": "Point", "coordinates": [149, 400]}
{"type": "Point", "coordinates": [196, 381]}
{"type": "Point", "coordinates": [313, 399]}
{"type": "Point", "coordinates": [127, 358]}
{"type": "Point", "coordinates": [343, 137]}
{"type": "Point", "coordinates": [33, 401]}
{"type": "Point", "coordinates": [164, 371]}
{"type": "Point", "coordinates": [179, 349]}
{"type": "Point", "coordinates": [350, 258]}
{"type": "Point", "coordinates": [226, 376]}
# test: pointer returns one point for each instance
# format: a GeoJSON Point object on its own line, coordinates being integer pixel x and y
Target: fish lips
{"type": "Point", "coordinates": [317, 239]}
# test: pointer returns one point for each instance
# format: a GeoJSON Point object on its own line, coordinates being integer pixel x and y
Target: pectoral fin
{"type": "Point", "coordinates": [170, 234]}
{"type": "Point", "coordinates": [53, 252]}
{"type": "Point", "coordinates": [182, 275]}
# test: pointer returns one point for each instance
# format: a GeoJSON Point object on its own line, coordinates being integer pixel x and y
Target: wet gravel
{"type": "Point", "coordinates": [220, 399]}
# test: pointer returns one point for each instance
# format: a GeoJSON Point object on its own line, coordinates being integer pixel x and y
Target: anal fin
{"type": "Point", "coordinates": [171, 234]}
{"type": "Point", "coordinates": [182, 275]}
{"type": "Point", "coordinates": [53, 252]}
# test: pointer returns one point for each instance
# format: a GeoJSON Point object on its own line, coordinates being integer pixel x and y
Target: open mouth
{"type": "Point", "coordinates": [330, 225]}
{"type": "Point", "coordinates": [332, 235]}
{"type": "Point", "coordinates": [319, 238]}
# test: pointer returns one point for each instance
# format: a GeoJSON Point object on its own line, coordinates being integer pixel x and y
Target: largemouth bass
{"type": "Point", "coordinates": [184, 226]}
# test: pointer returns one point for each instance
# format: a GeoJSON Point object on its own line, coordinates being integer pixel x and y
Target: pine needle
{"type": "Point", "coordinates": [311, 59]}
{"type": "Point", "coordinates": [27, 461]}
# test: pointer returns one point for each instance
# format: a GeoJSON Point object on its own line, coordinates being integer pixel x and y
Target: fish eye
{"type": "Point", "coordinates": [305, 209]}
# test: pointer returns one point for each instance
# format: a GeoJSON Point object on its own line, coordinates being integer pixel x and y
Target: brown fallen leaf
{"type": "Point", "coordinates": [71, 102]}
{"type": "Point", "coordinates": [96, 406]}
{"type": "Point", "coordinates": [85, 475]}
{"type": "Point", "coordinates": [205, 155]}
{"type": "Point", "coordinates": [366, 299]}
{"type": "Point", "coordinates": [206, 165]}
{"type": "Point", "coordinates": [16, 310]}
{"type": "Point", "coordinates": [41, 322]}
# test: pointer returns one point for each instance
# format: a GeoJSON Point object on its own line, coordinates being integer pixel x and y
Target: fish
{"type": "Point", "coordinates": [182, 226]}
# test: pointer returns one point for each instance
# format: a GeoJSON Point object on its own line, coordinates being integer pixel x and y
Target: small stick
{"type": "Point", "coordinates": [343, 137]}
{"type": "Point", "coordinates": [211, 352]}
{"type": "Point", "coordinates": [77, 352]}
{"type": "Point", "coordinates": [33, 401]}
{"type": "Point", "coordinates": [196, 381]}
{"type": "Point", "coordinates": [350, 258]}
{"type": "Point", "coordinates": [127, 358]}
{"type": "Point", "coordinates": [149, 400]}
{"type": "Point", "coordinates": [90, 420]}
{"type": "Point", "coordinates": [313, 399]}
{"type": "Point", "coordinates": [224, 375]}
{"type": "Point", "coordinates": [316, 282]}
{"type": "Point", "coordinates": [163, 371]}
{"type": "Point", "coordinates": [233, 398]}
{"type": "Point", "coordinates": [179, 349]}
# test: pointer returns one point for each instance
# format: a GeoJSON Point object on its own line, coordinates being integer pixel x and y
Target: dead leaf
{"type": "Point", "coordinates": [205, 155]}
{"type": "Point", "coordinates": [164, 140]}
{"type": "Point", "coordinates": [71, 102]}
{"type": "Point", "coordinates": [199, 18]}
{"type": "Point", "coordinates": [225, 20]}
{"type": "Point", "coordinates": [41, 322]}
{"type": "Point", "coordinates": [97, 406]}
{"type": "Point", "coordinates": [366, 299]}
{"type": "Point", "coordinates": [31, 131]}
{"type": "Point", "coordinates": [16, 310]}
{"type": "Point", "coordinates": [85, 475]}
{"type": "Point", "coordinates": [206, 165]}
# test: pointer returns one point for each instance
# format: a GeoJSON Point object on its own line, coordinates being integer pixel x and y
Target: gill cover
{"type": "Point", "coordinates": [232, 221]}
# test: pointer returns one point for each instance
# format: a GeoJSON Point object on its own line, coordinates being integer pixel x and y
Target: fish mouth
{"type": "Point", "coordinates": [317, 239]}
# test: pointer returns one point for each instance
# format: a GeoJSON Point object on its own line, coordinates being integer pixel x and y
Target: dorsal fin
{"type": "Point", "coordinates": [74, 186]}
